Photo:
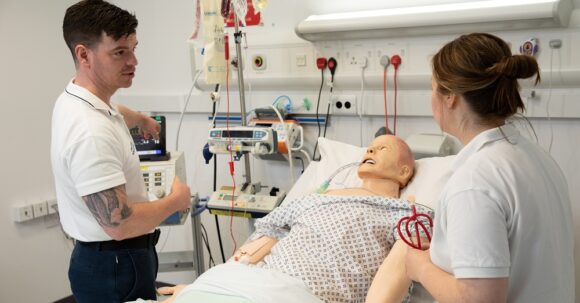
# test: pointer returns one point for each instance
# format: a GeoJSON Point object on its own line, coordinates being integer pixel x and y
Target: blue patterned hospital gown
{"type": "Point", "coordinates": [337, 243]}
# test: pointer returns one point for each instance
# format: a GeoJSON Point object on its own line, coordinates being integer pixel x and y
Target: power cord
{"type": "Point", "coordinates": [395, 61]}
{"type": "Point", "coordinates": [385, 61]}
{"type": "Point", "coordinates": [360, 106]}
{"type": "Point", "coordinates": [332, 67]}
{"type": "Point", "coordinates": [205, 238]}
{"type": "Point", "coordinates": [321, 63]}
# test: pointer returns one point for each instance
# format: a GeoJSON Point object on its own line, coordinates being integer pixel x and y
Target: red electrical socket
{"type": "Point", "coordinates": [321, 63]}
{"type": "Point", "coordinates": [396, 61]}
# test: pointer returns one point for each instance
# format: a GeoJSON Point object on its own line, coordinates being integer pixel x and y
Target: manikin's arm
{"type": "Point", "coordinates": [391, 283]}
{"type": "Point", "coordinates": [255, 251]}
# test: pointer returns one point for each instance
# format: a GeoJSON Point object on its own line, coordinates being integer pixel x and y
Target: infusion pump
{"type": "Point", "coordinates": [226, 201]}
{"type": "Point", "coordinates": [158, 177]}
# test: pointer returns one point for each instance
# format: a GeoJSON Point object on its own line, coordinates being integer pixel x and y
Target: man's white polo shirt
{"type": "Point", "coordinates": [91, 151]}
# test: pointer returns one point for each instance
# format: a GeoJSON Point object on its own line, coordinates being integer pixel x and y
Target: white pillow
{"type": "Point", "coordinates": [431, 174]}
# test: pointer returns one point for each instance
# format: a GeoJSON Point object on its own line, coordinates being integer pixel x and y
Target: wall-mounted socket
{"type": "Point", "coordinates": [259, 62]}
{"type": "Point", "coordinates": [344, 105]}
{"type": "Point", "coordinates": [21, 213]}
{"type": "Point", "coordinates": [358, 61]}
{"type": "Point", "coordinates": [40, 209]}
{"type": "Point", "coordinates": [52, 206]}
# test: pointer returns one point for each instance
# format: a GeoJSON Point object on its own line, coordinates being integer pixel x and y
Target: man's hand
{"type": "Point", "coordinates": [149, 128]}
{"type": "Point", "coordinates": [182, 194]}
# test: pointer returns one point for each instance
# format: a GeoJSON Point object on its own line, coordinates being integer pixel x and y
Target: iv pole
{"type": "Point", "coordinates": [241, 88]}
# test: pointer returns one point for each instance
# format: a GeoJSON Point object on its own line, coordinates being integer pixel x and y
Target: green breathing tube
{"type": "Point", "coordinates": [324, 186]}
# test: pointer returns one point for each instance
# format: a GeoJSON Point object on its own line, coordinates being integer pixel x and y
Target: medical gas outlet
{"type": "Point", "coordinates": [344, 105]}
{"type": "Point", "coordinates": [259, 62]}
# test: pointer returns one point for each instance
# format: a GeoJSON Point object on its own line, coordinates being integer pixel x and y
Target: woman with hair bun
{"type": "Point", "coordinates": [503, 228]}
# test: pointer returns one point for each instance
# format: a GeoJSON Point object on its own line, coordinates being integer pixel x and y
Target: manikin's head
{"type": "Point", "coordinates": [388, 157]}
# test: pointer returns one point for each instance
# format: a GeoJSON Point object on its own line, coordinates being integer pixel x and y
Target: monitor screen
{"type": "Point", "coordinates": [151, 149]}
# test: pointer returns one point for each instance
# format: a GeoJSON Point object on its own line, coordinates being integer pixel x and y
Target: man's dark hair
{"type": "Point", "coordinates": [85, 21]}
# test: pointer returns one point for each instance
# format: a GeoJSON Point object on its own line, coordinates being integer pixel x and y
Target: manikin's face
{"type": "Point", "coordinates": [113, 63]}
{"type": "Point", "coordinates": [381, 161]}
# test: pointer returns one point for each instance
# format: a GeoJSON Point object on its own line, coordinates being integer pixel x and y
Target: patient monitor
{"type": "Point", "coordinates": [158, 177]}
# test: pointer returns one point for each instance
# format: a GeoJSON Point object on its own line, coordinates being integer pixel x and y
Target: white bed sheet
{"type": "Point", "coordinates": [259, 285]}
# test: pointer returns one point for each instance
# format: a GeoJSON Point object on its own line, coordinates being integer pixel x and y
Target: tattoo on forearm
{"type": "Point", "coordinates": [109, 207]}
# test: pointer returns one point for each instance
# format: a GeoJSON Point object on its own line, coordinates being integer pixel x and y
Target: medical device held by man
{"type": "Point", "coordinates": [243, 139]}
{"type": "Point", "coordinates": [158, 177]}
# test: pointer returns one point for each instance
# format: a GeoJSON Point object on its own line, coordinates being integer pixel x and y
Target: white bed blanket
{"type": "Point", "coordinates": [256, 284]}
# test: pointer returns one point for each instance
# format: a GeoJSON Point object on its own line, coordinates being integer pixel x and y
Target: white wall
{"type": "Point", "coordinates": [35, 66]}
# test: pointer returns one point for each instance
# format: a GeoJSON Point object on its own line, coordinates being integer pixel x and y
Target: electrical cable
{"type": "Point", "coordinates": [217, 223]}
{"type": "Point", "coordinates": [204, 237]}
{"type": "Point", "coordinates": [385, 61]}
{"type": "Point", "coordinates": [231, 162]}
{"type": "Point", "coordinates": [301, 160]}
{"type": "Point", "coordinates": [305, 155]}
{"type": "Point", "coordinates": [385, 98]}
{"type": "Point", "coordinates": [299, 147]}
{"type": "Point", "coordinates": [185, 107]}
{"type": "Point", "coordinates": [197, 75]}
{"type": "Point", "coordinates": [332, 64]}
{"type": "Point", "coordinates": [395, 114]}
{"type": "Point", "coordinates": [327, 115]}
{"type": "Point", "coordinates": [396, 61]}
{"type": "Point", "coordinates": [291, 163]}
{"type": "Point", "coordinates": [317, 117]}
{"type": "Point", "coordinates": [362, 96]}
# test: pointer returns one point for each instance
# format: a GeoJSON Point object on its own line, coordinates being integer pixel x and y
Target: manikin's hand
{"type": "Point", "coordinates": [149, 128]}
{"type": "Point", "coordinates": [171, 290]}
{"type": "Point", "coordinates": [255, 251]}
{"type": "Point", "coordinates": [415, 261]}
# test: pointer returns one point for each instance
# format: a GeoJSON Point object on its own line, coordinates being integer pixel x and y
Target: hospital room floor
{"type": "Point", "coordinates": [71, 299]}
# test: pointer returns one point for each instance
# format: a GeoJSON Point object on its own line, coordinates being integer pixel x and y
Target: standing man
{"type": "Point", "coordinates": [101, 194]}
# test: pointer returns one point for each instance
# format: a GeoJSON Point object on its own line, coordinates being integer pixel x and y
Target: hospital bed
{"type": "Point", "coordinates": [430, 176]}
